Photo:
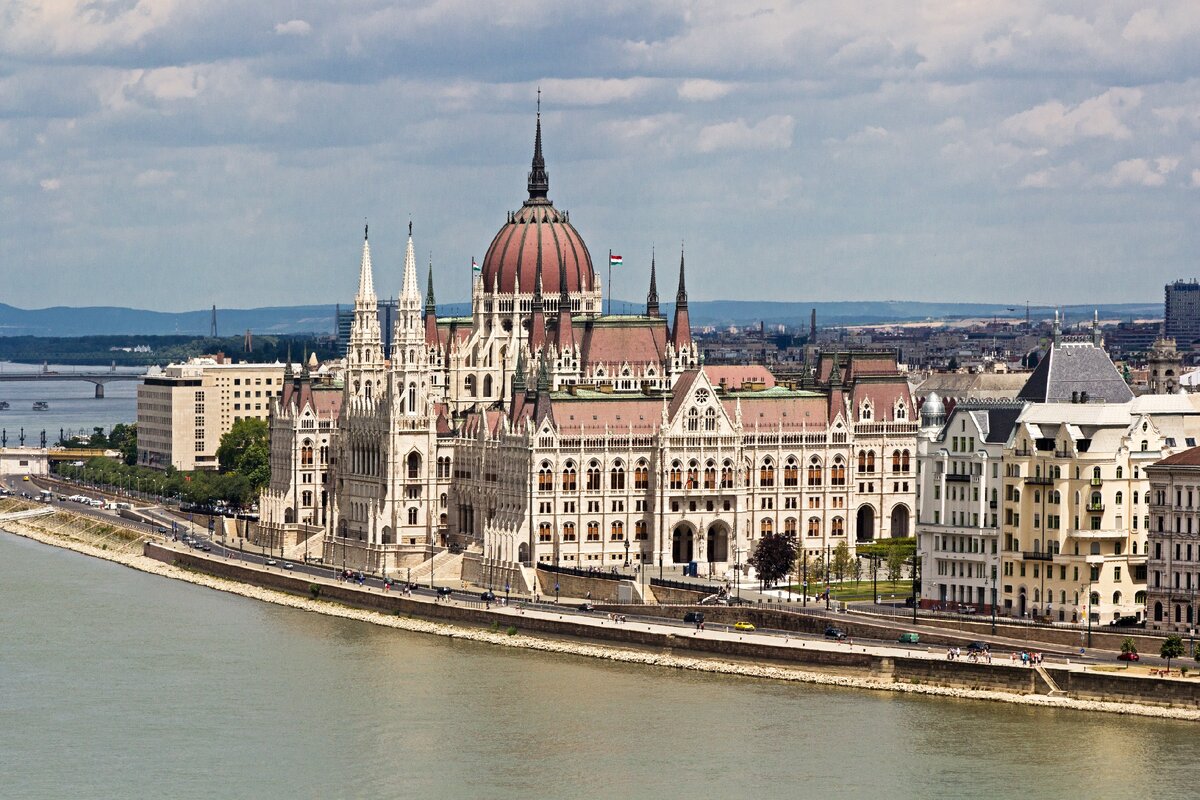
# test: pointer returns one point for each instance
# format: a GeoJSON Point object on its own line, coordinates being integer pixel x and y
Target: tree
{"type": "Point", "coordinates": [842, 561]}
{"type": "Point", "coordinates": [124, 438]}
{"type": "Point", "coordinates": [894, 563]}
{"type": "Point", "coordinates": [1127, 645]}
{"type": "Point", "coordinates": [246, 451]}
{"type": "Point", "coordinates": [1172, 647]}
{"type": "Point", "coordinates": [773, 556]}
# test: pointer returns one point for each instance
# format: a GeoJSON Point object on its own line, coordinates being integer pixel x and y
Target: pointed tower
{"type": "Point", "coordinates": [652, 295]}
{"type": "Point", "coordinates": [410, 356]}
{"type": "Point", "coordinates": [537, 323]}
{"type": "Point", "coordinates": [409, 327]}
{"type": "Point", "coordinates": [565, 332]}
{"type": "Point", "coordinates": [681, 331]}
{"type": "Point", "coordinates": [431, 337]}
{"type": "Point", "coordinates": [539, 179]}
{"type": "Point", "coordinates": [364, 354]}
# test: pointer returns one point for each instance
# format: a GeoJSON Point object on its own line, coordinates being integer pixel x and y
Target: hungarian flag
{"type": "Point", "coordinates": [475, 268]}
{"type": "Point", "coordinates": [615, 260]}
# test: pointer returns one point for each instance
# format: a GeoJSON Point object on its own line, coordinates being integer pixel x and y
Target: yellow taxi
{"type": "Point", "coordinates": [25, 478]}
{"type": "Point", "coordinates": [743, 626]}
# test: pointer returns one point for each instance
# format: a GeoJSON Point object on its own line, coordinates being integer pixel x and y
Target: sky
{"type": "Point", "coordinates": [174, 155]}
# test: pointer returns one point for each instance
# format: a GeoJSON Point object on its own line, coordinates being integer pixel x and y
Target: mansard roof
{"type": "Point", "coordinates": [1071, 369]}
{"type": "Point", "coordinates": [325, 400]}
{"type": "Point", "coordinates": [617, 340]}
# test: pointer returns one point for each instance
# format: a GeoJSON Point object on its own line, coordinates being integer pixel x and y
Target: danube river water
{"type": "Point", "coordinates": [74, 407]}
{"type": "Point", "coordinates": [114, 683]}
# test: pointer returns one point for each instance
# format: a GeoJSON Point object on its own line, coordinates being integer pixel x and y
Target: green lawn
{"type": "Point", "coordinates": [851, 592]}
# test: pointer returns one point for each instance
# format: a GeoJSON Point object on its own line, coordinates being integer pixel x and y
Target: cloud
{"type": "Point", "coordinates": [153, 177]}
{"type": "Point", "coordinates": [1139, 172]}
{"type": "Point", "coordinates": [50, 184]}
{"type": "Point", "coordinates": [1057, 124]}
{"type": "Point", "coordinates": [772, 133]}
{"type": "Point", "coordinates": [1196, 178]}
{"type": "Point", "coordinates": [293, 27]}
{"type": "Point", "coordinates": [703, 90]}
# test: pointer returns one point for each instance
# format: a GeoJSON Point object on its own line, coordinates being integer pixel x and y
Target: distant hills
{"type": "Point", "coordinates": [113, 320]}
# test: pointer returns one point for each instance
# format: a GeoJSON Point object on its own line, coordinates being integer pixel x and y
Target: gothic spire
{"type": "Point", "coordinates": [566, 333]}
{"type": "Point", "coordinates": [681, 295]}
{"type": "Point", "coordinates": [652, 295]}
{"type": "Point", "coordinates": [430, 305]}
{"type": "Point", "coordinates": [366, 280]}
{"type": "Point", "coordinates": [431, 336]}
{"type": "Point", "coordinates": [409, 293]}
{"type": "Point", "coordinates": [681, 331]}
{"type": "Point", "coordinates": [539, 179]}
{"type": "Point", "coordinates": [518, 381]}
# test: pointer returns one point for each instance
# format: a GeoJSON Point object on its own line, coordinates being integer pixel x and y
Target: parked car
{"type": "Point", "coordinates": [271, 562]}
{"type": "Point", "coordinates": [1126, 622]}
{"type": "Point", "coordinates": [909, 638]}
{"type": "Point", "coordinates": [487, 596]}
{"type": "Point", "coordinates": [834, 633]}
{"type": "Point", "coordinates": [1130, 656]}
{"type": "Point", "coordinates": [586, 607]}
{"type": "Point", "coordinates": [743, 626]}
{"type": "Point", "coordinates": [288, 565]}
{"type": "Point", "coordinates": [444, 591]}
{"type": "Point", "coordinates": [978, 647]}
{"type": "Point", "coordinates": [694, 617]}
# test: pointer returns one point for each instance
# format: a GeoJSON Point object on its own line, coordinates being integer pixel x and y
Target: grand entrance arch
{"type": "Point", "coordinates": [683, 544]}
{"type": "Point", "coordinates": [865, 526]}
{"type": "Point", "coordinates": [900, 522]}
{"type": "Point", "coordinates": [717, 542]}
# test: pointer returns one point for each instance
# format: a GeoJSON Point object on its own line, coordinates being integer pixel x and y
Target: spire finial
{"type": "Point", "coordinates": [429, 303]}
{"type": "Point", "coordinates": [539, 179]}
{"type": "Point", "coordinates": [410, 228]}
{"type": "Point", "coordinates": [681, 295]}
{"type": "Point", "coordinates": [652, 295]}
{"type": "Point", "coordinates": [366, 228]}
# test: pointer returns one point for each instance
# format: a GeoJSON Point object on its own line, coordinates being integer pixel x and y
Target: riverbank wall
{"type": "Point", "coordinates": [834, 668]}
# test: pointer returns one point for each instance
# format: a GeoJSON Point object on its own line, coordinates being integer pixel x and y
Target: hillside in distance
{"type": "Point", "coordinates": [319, 319]}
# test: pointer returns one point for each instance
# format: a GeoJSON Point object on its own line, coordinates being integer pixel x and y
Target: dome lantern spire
{"type": "Point", "coordinates": [539, 179]}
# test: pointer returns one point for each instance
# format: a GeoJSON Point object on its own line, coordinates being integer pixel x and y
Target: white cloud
{"type": "Point", "coordinates": [1057, 124]}
{"type": "Point", "coordinates": [293, 27]}
{"type": "Point", "coordinates": [772, 133]}
{"type": "Point", "coordinates": [79, 27]}
{"type": "Point", "coordinates": [703, 90]}
{"type": "Point", "coordinates": [1196, 178]}
{"type": "Point", "coordinates": [50, 184]}
{"type": "Point", "coordinates": [153, 177]}
{"type": "Point", "coordinates": [1139, 172]}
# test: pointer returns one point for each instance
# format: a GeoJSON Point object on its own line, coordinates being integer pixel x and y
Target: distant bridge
{"type": "Point", "coordinates": [98, 378]}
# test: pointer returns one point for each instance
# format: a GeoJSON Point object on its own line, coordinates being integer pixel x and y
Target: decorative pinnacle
{"type": "Point", "coordinates": [681, 295]}
{"type": "Point", "coordinates": [539, 179]}
{"type": "Point", "coordinates": [652, 295]}
{"type": "Point", "coordinates": [429, 302]}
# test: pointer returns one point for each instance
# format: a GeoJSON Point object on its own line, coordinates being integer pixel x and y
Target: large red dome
{"type": "Point", "coordinates": [538, 234]}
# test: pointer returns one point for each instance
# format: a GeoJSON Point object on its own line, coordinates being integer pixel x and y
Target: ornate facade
{"type": "Point", "coordinates": [538, 430]}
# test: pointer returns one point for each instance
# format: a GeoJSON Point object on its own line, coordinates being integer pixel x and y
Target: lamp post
{"type": "Point", "coordinates": [993, 600]}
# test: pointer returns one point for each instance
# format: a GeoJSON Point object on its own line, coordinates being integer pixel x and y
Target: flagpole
{"type": "Point", "coordinates": [610, 281]}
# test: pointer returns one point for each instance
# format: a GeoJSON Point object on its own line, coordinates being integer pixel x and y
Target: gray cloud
{"type": "Point", "coordinates": [173, 155]}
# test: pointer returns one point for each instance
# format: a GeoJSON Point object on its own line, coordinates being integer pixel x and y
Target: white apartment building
{"type": "Point", "coordinates": [1173, 560]}
{"type": "Point", "coordinates": [183, 410]}
{"type": "Point", "coordinates": [959, 481]}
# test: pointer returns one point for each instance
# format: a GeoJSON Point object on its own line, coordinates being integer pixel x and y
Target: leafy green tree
{"type": "Point", "coordinates": [242, 437]}
{"type": "Point", "coordinates": [124, 438]}
{"type": "Point", "coordinates": [1127, 645]}
{"type": "Point", "coordinates": [843, 562]}
{"type": "Point", "coordinates": [894, 563]}
{"type": "Point", "coordinates": [1172, 647]}
{"type": "Point", "coordinates": [773, 556]}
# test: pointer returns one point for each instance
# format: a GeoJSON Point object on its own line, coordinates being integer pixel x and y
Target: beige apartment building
{"type": "Point", "coordinates": [183, 410]}
{"type": "Point", "coordinates": [1173, 561]}
{"type": "Point", "coordinates": [1076, 504]}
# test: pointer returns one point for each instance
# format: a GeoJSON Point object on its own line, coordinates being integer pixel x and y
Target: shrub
{"type": "Point", "coordinates": [315, 590]}
{"type": "Point", "coordinates": [512, 630]}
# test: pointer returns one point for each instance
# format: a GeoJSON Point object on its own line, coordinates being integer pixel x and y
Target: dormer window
{"type": "Point", "coordinates": [865, 411]}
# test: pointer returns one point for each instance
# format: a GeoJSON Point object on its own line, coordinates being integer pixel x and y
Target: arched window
{"type": "Point", "coordinates": [1118, 498]}
{"type": "Point", "coordinates": [727, 474]}
{"type": "Point", "coordinates": [693, 419]}
{"type": "Point", "coordinates": [837, 527]}
{"type": "Point", "coordinates": [789, 527]}
{"type": "Point", "coordinates": [487, 385]}
{"type": "Point", "coordinates": [766, 473]}
{"type": "Point", "coordinates": [1120, 473]}
{"type": "Point", "coordinates": [639, 531]}
{"type": "Point", "coordinates": [766, 526]}
{"type": "Point", "coordinates": [870, 461]}
{"type": "Point", "coordinates": [791, 472]}
{"type": "Point", "coordinates": [469, 385]}
{"type": "Point", "coordinates": [412, 515]}
{"type": "Point", "coordinates": [862, 460]}
{"type": "Point", "coordinates": [306, 453]}
{"type": "Point", "coordinates": [593, 477]}
{"type": "Point", "coordinates": [414, 466]}
{"type": "Point", "coordinates": [616, 477]}
{"type": "Point", "coordinates": [641, 476]}
{"type": "Point", "coordinates": [814, 471]}
{"type": "Point", "coordinates": [545, 478]}
{"type": "Point", "coordinates": [904, 461]}
{"type": "Point", "coordinates": [814, 526]}
{"type": "Point", "coordinates": [568, 532]}
{"type": "Point", "coordinates": [676, 475]}
{"type": "Point", "coordinates": [710, 474]}
{"type": "Point", "coordinates": [545, 532]}
{"type": "Point", "coordinates": [895, 461]}
{"type": "Point", "coordinates": [617, 532]}
{"type": "Point", "coordinates": [569, 482]}
{"type": "Point", "coordinates": [710, 420]}
{"type": "Point", "coordinates": [1096, 503]}
{"type": "Point", "coordinates": [593, 531]}
{"type": "Point", "coordinates": [837, 473]}
{"type": "Point", "coordinates": [412, 398]}
{"type": "Point", "coordinates": [693, 475]}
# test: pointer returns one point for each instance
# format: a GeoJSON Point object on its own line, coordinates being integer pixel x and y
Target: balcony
{"type": "Point", "coordinates": [1097, 481]}
{"type": "Point", "coordinates": [961, 477]}
{"type": "Point", "coordinates": [992, 504]}
{"type": "Point", "coordinates": [1039, 481]}
{"type": "Point", "coordinates": [1037, 556]}
{"type": "Point", "coordinates": [1095, 506]}
{"type": "Point", "coordinates": [1098, 535]}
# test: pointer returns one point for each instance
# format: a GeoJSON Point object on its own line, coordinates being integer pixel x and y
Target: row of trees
{"type": "Point", "coordinates": [243, 456]}
{"type": "Point", "coordinates": [776, 556]}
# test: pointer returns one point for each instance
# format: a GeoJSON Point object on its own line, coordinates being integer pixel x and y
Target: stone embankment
{"type": "Point", "coordinates": [63, 529]}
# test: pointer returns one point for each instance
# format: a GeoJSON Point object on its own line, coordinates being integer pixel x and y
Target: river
{"type": "Point", "coordinates": [115, 683]}
{"type": "Point", "coordinates": [74, 407]}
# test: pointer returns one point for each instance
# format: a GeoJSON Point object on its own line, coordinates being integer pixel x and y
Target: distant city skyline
{"type": "Point", "coordinates": [171, 157]}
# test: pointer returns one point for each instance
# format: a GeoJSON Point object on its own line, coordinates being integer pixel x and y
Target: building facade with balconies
{"type": "Point", "coordinates": [959, 482]}
{"type": "Point", "coordinates": [1173, 541]}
